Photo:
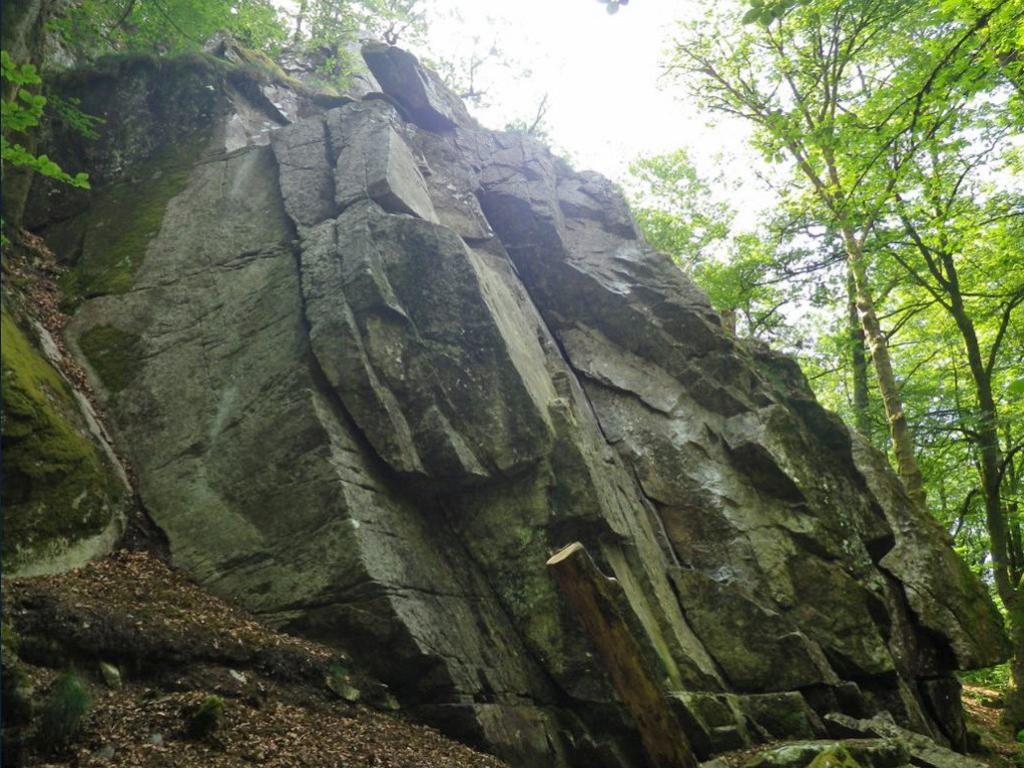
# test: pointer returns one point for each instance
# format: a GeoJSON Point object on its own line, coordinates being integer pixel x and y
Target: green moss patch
{"type": "Point", "coordinates": [57, 484]}
{"type": "Point", "coordinates": [122, 220]}
{"type": "Point", "coordinates": [114, 355]}
{"type": "Point", "coordinates": [835, 757]}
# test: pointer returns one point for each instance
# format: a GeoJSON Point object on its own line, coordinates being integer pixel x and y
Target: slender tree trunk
{"type": "Point", "coordinates": [1014, 711]}
{"type": "Point", "coordinates": [299, 18]}
{"type": "Point", "coordinates": [1006, 565]}
{"type": "Point", "coordinates": [899, 429]}
{"type": "Point", "coordinates": [987, 440]}
{"type": "Point", "coordinates": [858, 362]}
{"type": "Point", "coordinates": [1011, 488]}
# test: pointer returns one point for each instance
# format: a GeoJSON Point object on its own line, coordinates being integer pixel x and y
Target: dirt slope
{"type": "Point", "coordinates": [174, 645]}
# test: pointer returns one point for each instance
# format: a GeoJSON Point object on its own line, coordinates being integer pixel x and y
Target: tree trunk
{"type": "Point", "coordinates": [858, 362]}
{"type": "Point", "coordinates": [596, 600]}
{"type": "Point", "coordinates": [1013, 714]}
{"type": "Point", "coordinates": [987, 440]}
{"type": "Point", "coordinates": [1006, 566]}
{"type": "Point", "coordinates": [729, 321]}
{"type": "Point", "coordinates": [299, 18]}
{"type": "Point", "coordinates": [899, 430]}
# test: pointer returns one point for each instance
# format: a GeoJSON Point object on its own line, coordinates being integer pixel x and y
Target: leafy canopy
{"type": "Point", "coordinates": [21, 112]}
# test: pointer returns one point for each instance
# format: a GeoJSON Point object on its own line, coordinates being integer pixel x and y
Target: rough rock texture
{"type": "Point", "coordinates": [382, 367]}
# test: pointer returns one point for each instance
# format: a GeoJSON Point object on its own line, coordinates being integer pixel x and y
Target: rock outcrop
{"type": "Point", "coordinates": [66, 497]}
{"type": "Point", "coordinates": [372, 364]}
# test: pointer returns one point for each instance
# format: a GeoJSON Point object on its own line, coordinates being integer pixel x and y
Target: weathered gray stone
{"type": "Point", "coordinates": [307, 179]}
{"type": "Point", "coordinates": [713, 722]}
{"type": "Point", "coordinates": [393, 343]}
{"type": "Point", "coordinates": [451, 176]}
{"type": "Point", "coordinates": [781, 715]}
{"type": "Point", "coordinates": [924, 751]}
{"type": "Point", "coordinates": [942, 696]}
{"type": "Point", "coordinates": [867, 753]}
{"type": "Point", "coordinates": [757, 648]}
{"type": "Point", "coordinates": [378, 373]}
{"type": "Point", "coordinates": [718, 722]}
{"type": "Point", "coordinates": [418, 90]}
{"type": "Point", "coordinates": [373, 161]}
{"type": "Point", "coordinates": [942, 593]}
{"type": "Point", "coordinates": [263, 484]}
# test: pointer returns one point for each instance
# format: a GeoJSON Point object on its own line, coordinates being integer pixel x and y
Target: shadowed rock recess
{"type": "Point", "coordinates": [384, 361]}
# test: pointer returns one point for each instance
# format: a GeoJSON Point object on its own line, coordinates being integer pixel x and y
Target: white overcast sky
{"type": "Point", "coordinates": [608, 99]}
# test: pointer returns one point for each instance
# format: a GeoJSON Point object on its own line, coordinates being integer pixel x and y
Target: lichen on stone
{"type": "Point", "coordinates": [835, 757]}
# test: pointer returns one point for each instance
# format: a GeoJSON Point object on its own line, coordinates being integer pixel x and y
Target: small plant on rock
{"type": "Point", "coordinates": [64, 711]}
{"type": "Point", "coordinates": [339, 683]}
{"type": "Point", "coordinates": [205, 718]}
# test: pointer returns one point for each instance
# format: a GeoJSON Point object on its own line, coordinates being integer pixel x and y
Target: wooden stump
{"type": "Point", "coordinates": [594, 598]}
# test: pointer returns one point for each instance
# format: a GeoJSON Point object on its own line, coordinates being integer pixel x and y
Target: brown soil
{"type": "Point", "coordinates": [176, 645]}
{"type": "Point", "coordinates": [983, 708]}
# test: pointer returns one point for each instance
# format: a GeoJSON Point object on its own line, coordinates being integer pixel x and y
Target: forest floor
{"type": "Point", "coordinates": [983, 708]}
{"type": "Point", "coordinates": [284, 697]}
{"type": "Point", "coordinates": [176, 645]}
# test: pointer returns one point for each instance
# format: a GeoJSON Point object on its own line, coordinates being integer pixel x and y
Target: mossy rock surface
{"type": "Point", "coordinates": [835, 757]}
{"type": "Point", "coordinates": [58, 486]}
{"type": "Point", "coordinates": [122, 220]}
{"type": "Point", "coordinates": [206, 718]}
{"type": "Point", "coordinates": [114, 355]}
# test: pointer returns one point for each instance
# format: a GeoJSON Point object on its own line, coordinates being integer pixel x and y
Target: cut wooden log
{"type": "Point", "coordinates": [597, 601]}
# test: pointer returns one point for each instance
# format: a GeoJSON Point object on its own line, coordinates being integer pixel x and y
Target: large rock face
{"type": "Point", "coordinates": [380, 367]}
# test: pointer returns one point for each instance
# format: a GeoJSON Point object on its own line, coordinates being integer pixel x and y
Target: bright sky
{"type": "Point", "coordinates": [608, 98]}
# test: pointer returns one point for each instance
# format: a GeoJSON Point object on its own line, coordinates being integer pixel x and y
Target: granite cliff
{"type": "Point", "coordinates": [371, 363]}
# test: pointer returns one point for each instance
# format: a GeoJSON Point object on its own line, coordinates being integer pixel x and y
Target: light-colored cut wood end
{"type": "Point", "coordinates": [564, 553]}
